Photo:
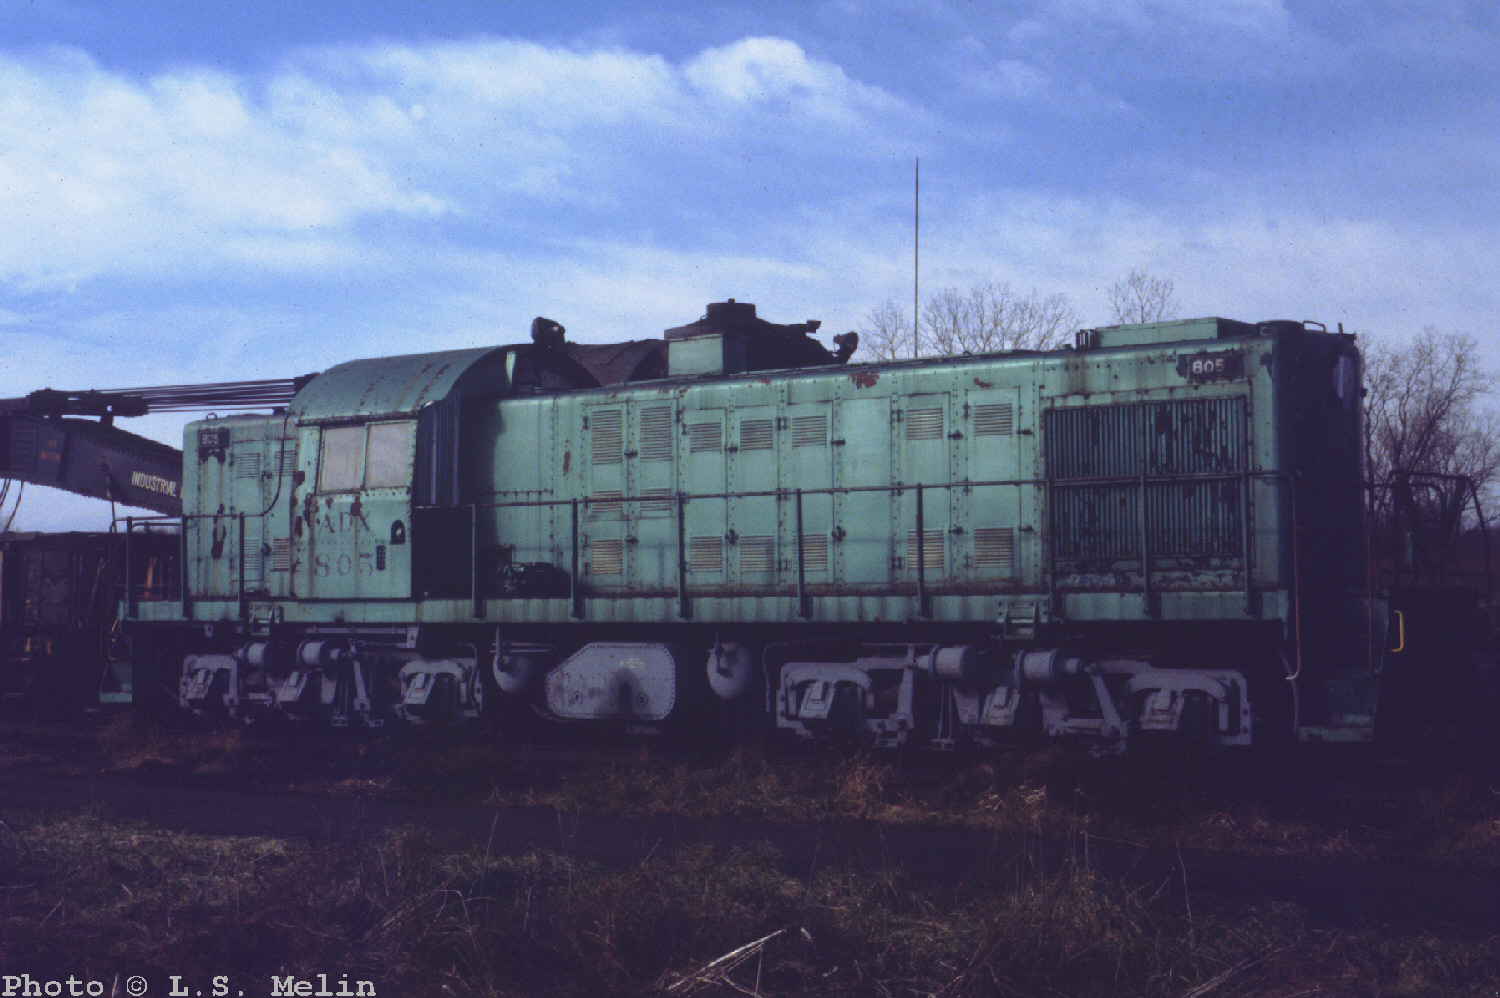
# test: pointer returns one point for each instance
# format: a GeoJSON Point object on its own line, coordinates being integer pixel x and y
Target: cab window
{"type": "Point", "coordinates": [375, 456]}
{"type": "Point", "coordinates": [341, 459]}
{"type": "Point", "coordinates": [388, 455]}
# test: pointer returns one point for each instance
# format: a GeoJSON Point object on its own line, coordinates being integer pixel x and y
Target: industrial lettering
{"type": "Point", "coordinates": [153, 483]}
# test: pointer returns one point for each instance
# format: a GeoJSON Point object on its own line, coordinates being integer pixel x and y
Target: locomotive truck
{"type": "Point", "coordinates": [1157, 532]}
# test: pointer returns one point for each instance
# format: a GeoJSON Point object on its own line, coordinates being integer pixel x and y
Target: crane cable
{"type": "Point", "coordinates": [5, 491]}
{"type": "Point", "coordinates": [271, 393]}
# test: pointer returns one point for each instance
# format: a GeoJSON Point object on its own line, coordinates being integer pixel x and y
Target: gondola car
{"type": "Point", "coordinates": [61, 651]}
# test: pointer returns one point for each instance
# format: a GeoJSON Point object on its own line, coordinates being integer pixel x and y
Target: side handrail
{"type": "Point", "coordinates": [579, 506]}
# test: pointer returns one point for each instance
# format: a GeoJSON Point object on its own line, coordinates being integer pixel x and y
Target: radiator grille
{"type": "Point", "coordinates": [1190, 437]}
{"type": "Point", "coordinates": [1096, 442]}
{"type": "Point", "coordinates": [994, 420]}
{"type": "Point", "coordinates": [1166, 457]}
{"type": "Point", "coordinates": [656, 433]}
{"type": "Point", "coordinates": [1195, 518]}
{"type": "Point", "coordinates": [1195, 437]}
{"type": "Point", "coordinates": [606, 438]}
{"type": "Point", "coordinates": [1096, 521]}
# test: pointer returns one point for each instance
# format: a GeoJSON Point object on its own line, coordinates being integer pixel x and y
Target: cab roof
{"type": "Point", "coordinates": [403, 386]}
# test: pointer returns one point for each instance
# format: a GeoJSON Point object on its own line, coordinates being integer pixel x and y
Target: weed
{"type": "Point", "coordinates": [87, 897]}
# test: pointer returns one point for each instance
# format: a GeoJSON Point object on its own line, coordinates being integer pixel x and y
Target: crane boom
{"type": "Point", "coordinates": [92, 459]}
{"type": "Point", "coordinates": [44, 440]}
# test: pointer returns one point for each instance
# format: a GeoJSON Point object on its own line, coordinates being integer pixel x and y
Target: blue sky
{"type": "Point", "coordinates": [224, 190]}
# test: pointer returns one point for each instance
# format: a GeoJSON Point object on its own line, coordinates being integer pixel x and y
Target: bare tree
{"type": "Point", "coordinates": [1424, 409]}
{"type": "Point", "coordinates": [992, 316]}
{"type": "Point", "coordinates": [886, 334]}
{"type": "Point", "coordinates": [1143, 298]}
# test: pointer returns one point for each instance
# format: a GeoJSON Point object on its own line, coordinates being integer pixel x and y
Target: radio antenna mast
{"type": "Point", "coordinates": [916, 255]}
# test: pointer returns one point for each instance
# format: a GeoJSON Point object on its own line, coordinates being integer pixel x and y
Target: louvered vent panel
{"type": "Point", "coordinates": [254, 549]}
{"type": "Point", "coordinates": [932, 552]}
{"type": "Point", "coordinates": [656, 433]}
{"type": "Point", "coordinates": [994, 420]}
{"type": "Point", "coordinates": [924, 424]}
{"type": "Point", "coordinates": [247, 465]}
{"type": "Point", "coordinates": [656, 502]}
{"type": "Point", "coordinates": [281, 554]}
{"type": "Point", "coordinates": [255, 562]}
{"type": "Point", "coordinates": [706, 554]}
{"type": "Point", "coordinates": [756, 434]}
{"type": "Point", "coordinates": [995, 547]}
{"type": "Point", "coordinates": [606, 436]}
{"type": "Point", "coordinates": [757, 555]}
{"type": "Point", "coordinates": [705, 437]}
{"type": "Point", "coordinates": [815, 552]}
{"type": "Point", "coordinates": [608, 558]}
{"type": "Point", "coordinates": [810, 431]}
{"type": "Point", "coordinates": [288, 462]}
{"type": "Point", "coordinates": [606, 505]}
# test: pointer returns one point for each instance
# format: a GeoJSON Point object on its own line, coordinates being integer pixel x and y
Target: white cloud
{"type": "Point", "coordinates": [773, 73]}
{"type": "Point", "coordinates": [103, 175]}
{"type": "Point", "coordinates": [553, 87]}
{"type": "Point", "coordinates": [194, 170]}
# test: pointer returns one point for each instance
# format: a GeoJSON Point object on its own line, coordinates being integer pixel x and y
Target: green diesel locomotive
{"type": "Point", "coordinates": [1156, 532]}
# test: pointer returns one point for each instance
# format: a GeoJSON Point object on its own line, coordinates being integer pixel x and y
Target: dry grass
{"type": "Point", "coordinates": [128, 743]}
{"type": "Point", "coordinates": [1050, 793]}
{"type": "Point", "coordinates": [1220, 804]}
{"type": "Point", "coordinates": [86, 897]}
